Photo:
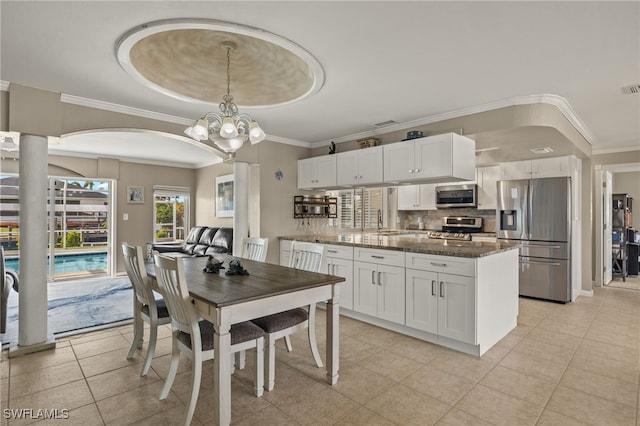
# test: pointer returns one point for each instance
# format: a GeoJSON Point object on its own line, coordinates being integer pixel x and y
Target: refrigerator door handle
{"type": "Point", "coordinates": [529, 209]}
{"type": "Point", "coordinates": [540, 263]}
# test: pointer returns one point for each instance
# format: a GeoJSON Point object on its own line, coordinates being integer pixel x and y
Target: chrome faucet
{"type": "Point", "coordinates": [379, 219]}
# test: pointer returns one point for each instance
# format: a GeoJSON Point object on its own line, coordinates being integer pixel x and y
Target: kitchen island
{"type": "Point", "coordinates": [458, 294]}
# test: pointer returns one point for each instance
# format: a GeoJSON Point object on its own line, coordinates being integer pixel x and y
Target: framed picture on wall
{"type": "Point", "coordinates": [135, 194]}
{"type": "Point", "coordinates": [224, 196]}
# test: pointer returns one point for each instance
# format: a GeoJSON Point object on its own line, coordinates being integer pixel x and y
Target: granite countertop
{"type": "Point", "coordinates": [411, 241]}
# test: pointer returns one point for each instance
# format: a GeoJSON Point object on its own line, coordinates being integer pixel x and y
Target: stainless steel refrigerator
{"type": "Point", "coordinates": [536, 213]}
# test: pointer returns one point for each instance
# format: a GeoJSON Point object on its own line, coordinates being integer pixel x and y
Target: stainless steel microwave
{"type": "Point", "coordinates": [451, 196]}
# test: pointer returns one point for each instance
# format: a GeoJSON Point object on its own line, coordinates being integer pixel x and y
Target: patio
{"type": "Point", "coordinates": [81, 304]}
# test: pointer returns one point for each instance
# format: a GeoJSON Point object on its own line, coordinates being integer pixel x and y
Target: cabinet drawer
{"type": "Point", "coordinates": [381, 257]}
{"type": "Point", "coordinates": [448, 264]}
{"type": "Point", "coordinates": [342, 252]}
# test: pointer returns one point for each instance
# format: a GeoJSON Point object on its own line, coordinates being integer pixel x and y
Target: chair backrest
{"type": "Point", "coordinates": [307, 256]}
{"type": "Point", "coordinates": [173, 284]}
{"type": "Point", "coordinates": [255, 248]}
{"type": "Point", "coordinates": [134, 264]}
{"type": "Point", "coordinates": [2, 277]}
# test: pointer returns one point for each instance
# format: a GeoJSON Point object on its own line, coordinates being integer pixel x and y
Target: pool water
{"type": "Point", "coordinates": [69, 263]}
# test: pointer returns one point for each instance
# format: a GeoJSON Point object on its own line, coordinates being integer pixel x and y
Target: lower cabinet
{"type": "Point", "coordinates": [442, 304]}
{"type": "Point", "coordinates": [340, 263]}
{"type": "Point", "coordinates": [379, 291]}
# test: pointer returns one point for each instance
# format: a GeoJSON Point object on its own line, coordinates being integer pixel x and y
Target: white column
{"type": "Point", "coordinates": [32, 326]}
{"type": "Point", "coordinates": [240, 205]}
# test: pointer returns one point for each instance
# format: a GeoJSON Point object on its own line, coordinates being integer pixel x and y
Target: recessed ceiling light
{"type": "Point", "coordinates": [544, 150]}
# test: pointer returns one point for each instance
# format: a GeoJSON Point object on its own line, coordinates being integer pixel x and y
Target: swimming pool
{"type": "Point", "coordinates": [69, 263]}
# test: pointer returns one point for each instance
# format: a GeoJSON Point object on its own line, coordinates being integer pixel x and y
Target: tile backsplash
{"type": "Point", "coordinates": [408, 219]}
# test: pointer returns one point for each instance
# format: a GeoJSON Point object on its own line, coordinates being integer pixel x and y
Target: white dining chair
{"type": "Point", "coordinates": [308, 257]}
{"type": "Point", "coordinates": [145, 305]}
{"type": "Point", "coordinates": [255, 248]}
{"type": "Point", "coordinates": [194, 337]}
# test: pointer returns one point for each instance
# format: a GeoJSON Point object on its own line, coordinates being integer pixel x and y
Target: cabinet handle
{"type": "Point", "coordinates": [373, 277]}
{"type": "Point", "coordinates": [441, 288]}
{"type": "Point", "coordinates": [360, 177]}
{"type": "Point", "coordinates": [379, 280]}
{"type": "Point", "coordinates": [433, 287]}
{"type": "Point", "coordinates": [355, 177]}
{"type": "Point", "coordinates": [329, 268]}
{"type": "Point", "coordinates": [444, 265]}
{"type": "Point", "coordinates": [377, 257]}
{"type": "Point", "coordinates": [333, 268]}
{"type": "Point", "coordinates": [417, 170]}
{"type": "Point", "coordinates": [332, 251]}
{"type": "Point", "coordinates": [410, 170]}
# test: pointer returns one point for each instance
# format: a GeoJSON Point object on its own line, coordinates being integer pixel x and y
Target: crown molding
{"type": "Point", "coordinates": [4, 86]}
{"type": "Point", "coordinates": [138, 112]}
{"type": "Point", "coordinates": [601, 151]}
{"type": "Point", "coordinates": [550, 99]}
{"type": "Point", "coordinates": [287, 141]}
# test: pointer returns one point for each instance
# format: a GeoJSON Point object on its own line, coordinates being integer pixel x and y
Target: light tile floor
{"type": "Point", "coordinates": [563, 365]}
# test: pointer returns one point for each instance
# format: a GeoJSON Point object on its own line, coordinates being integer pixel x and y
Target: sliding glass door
{"type": "Point", "coordinates": [78, 227]}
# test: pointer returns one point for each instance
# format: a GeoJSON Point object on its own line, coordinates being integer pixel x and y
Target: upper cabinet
{"type": "Point", "coordinates": [360, 167]}
{"type": "Point", "coordinates": [486, 178]}
{"type": "Point", "coordinates": [441, 158]}
{"type": "Point", "coordinates": [317, 172]}
{"type": "Point", "coordinates": [417, 197]}
{"type": "Point", "coordinates": [538, 168]}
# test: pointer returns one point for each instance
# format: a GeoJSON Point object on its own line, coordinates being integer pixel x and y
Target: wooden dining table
{"type": "Point", "coordinates": [229, 299]}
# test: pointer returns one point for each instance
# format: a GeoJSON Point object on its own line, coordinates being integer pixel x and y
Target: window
{"type": "Point", "coordinates": [170, 213]}
{"type": "Point", "coordinates": [360, 208]}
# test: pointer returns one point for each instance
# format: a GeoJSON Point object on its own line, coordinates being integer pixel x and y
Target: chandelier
{"type": "Point", "coordinates": [228, 129]}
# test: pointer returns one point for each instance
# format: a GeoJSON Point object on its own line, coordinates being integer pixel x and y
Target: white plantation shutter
{"type": "Point", "coordinates": [358, 208]}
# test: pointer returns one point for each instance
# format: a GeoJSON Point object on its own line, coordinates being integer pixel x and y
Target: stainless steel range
{"type": "Point", "coordinates": [457, 228]}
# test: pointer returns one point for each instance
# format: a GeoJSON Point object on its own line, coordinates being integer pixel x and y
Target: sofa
{"type": "Point", "coordinates": [201, 241]}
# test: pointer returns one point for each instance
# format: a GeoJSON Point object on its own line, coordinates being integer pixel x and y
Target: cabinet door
{"type": "Point", "coordinates": [408, 197]}
{"type": "Point", "coordinates": [433, 157]}
{"type": "Point", "coordinates": [347, 168]}
{"type": "Point", "coordinates": [486, 178]}
{"type": "Point", "coordinates": [306, 173]}
{"type": "Point", "coordinates": [456, 307]}
{"type": "Point", "coordinates": [285, 252]}
{"type": "Point", "coordinates": [370, 165]}
{"type": "Point", "coordinates": [515, 170]}
{"type": "Point", "coordinates": [391, 293]}
{"type": "Point", "coordinates": [365, 288]}
{"type": "Point", "coordinates": [343, 268]}
{"type": "Point", "coordinates": [427, 197]}
{"type": "Point", "coordinates": [398, 161]}
{"type": "Point", "coordinates": [550, 167]}
{"type": "Point", "coordinates": [422, 300]}
{"type": "Point", "coordinates": [325, 171]}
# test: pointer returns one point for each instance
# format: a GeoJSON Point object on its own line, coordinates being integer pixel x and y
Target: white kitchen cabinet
{"type": "Point", "coordinates": [340, 263]}
{"type": "Point", "coordinates": [486, 178]}
{"type": "Point", "coordinates": [285, 252]}
{"type": "Point", "coordinates": [360, 167]}
{"type": "Point", "coordinates": [538, 168]}
{"type": "Point", "coordinates": [317, 172]}
{"type": "Point", "coordinates": [379, 284]}
{"type": "Point", "coordinates": [417, 197]}
{"type": "Point", "coordinates": [439, 158]}
{"type": "Point", "coordinates": [441, 303]}
{"type": "Point", "coordinates": [379, 291]}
